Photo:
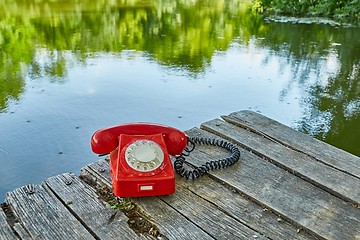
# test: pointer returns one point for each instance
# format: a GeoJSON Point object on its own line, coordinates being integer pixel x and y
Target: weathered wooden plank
{"type": "Point", "coordinates": [239, 207]}
{"type": "Point", "coordinates": [232, 203]}
{"type": "Point", "coordinates": [330, 179]}
{"type": "Point", "coordinates": [334, 157]}
{"type": "Point", "coordinates": [291, 197]}
{"type": "Point", "coordinates": [43, 216]}
{"type": "Point", "coordinates": [207, 215]}
{"type": "Point", "coordinates": [103, 221]}
{"type": "Point", "coordinates": [5, 230]}
{"type": "Point", "coordinates": [23, 234]}
{"type": "Point", "coordinates": [171, 224]}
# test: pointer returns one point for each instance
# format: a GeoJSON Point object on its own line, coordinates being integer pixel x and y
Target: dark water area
{"type": "Point", "coordinates": [68, 68]}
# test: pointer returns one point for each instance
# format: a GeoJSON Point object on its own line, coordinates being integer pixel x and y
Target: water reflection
{"type": "Point", "coordinates": [325, 62]}
{"type": "Point", "coordinates": [186, 35]}
{"type": "Point", "coordinates": [182, 33]}
{"type": "Point", "coordinates": [46, 40]}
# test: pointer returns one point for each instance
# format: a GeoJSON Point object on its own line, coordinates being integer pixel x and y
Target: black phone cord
{"type": "Point", "coordinates": [197, 172]}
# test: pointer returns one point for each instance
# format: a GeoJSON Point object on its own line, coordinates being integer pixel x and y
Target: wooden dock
{"type": "Point", "coordinates": [286, 185]}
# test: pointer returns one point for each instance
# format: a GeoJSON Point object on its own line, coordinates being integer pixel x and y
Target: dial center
{"type": "Point", "coordinates": [144, 153]}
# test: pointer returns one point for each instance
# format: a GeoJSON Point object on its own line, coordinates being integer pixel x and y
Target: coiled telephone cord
{"type": "Point", "coordinates": [197, 172]}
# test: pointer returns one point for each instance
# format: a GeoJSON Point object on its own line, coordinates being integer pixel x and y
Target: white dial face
{"type": "Point", "coordinates": [144, 155]}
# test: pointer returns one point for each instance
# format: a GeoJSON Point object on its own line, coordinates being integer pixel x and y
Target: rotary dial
{"type": "Point", "coordinates": [144, 155]}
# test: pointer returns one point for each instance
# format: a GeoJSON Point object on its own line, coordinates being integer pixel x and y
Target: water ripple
{"type": "Point", "coordinates": [4, 152]}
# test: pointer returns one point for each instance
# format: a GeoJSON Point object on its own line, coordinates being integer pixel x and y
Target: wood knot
{"type": "Point", "coordinates": [29, 189]}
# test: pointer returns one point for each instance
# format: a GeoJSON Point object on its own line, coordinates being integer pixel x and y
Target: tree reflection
{"type": "Point", "coordinates": [331, 56]}
{"type": "Point", "coordinates": [12, 44]}
{"type": "Point", "coordinates": [182, 34]}
{"type": "Point", "coordinates": [340, 97]}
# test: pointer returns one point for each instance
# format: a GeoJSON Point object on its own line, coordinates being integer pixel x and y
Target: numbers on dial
{"type": "Point", "coordinates": [144, 155]}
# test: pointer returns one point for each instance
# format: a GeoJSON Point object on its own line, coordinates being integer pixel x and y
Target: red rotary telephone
{"type": "Point", "coordinates": [139, 157]}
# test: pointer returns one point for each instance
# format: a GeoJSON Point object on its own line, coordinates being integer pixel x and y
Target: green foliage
{"type": "Point", "coordinates": [123, 204]}
{"type": "Point", "coordinates": [327, 8]}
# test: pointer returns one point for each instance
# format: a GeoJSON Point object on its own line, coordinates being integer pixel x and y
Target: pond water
{"type": "Point", "coordinates": [69, 68]}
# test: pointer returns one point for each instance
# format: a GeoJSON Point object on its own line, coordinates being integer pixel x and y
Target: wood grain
{"type": "Point", "coordinates": [43, 216]}
{"type": "Point", "coordinates": [256, 217]}
{"type": "Point", "coordinates": [330, 179]}
{"type": "Point", "coordinates": [207, 215]}
{"type": "Point", "coordinates": [302, 203]}
{"type": "Point", "coordinates": [21, 232]}
{"type": "Point", "coordinates": [171, 224]}
{"type": "Point", "coordinates": [6, 232]}
{"type": "Point", "coordinates": [323, 152]}
{"type": "Point", "coordinates": [103, 221]}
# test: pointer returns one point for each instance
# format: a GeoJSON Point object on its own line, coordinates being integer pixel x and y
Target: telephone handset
{"type": "Point", "coordinates": [139, 157]}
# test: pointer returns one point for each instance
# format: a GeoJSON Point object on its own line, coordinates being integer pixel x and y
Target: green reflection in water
{"type": "Point", "coordinates": [331, 56]}
{"type": "Point", "coordinates": [180, 33]}
{"type": "Point", "coordinates": [184, 34]}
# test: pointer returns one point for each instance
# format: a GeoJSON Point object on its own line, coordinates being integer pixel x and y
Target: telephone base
{"type": "Point", "coordinates": [130, 178]}
{"type": "Point", "coordinates": [145, 187]}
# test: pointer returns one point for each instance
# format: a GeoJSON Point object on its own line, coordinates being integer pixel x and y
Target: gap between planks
{"type": "Point", "coordinates": [335, 182]}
